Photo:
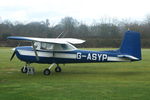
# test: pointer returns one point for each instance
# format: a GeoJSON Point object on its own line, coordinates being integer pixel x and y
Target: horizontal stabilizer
{"type": "Point", "coordinates": [128, 56]}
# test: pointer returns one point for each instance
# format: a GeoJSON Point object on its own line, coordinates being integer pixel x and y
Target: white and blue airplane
{"type": "Point", "coordinates": [57, 51]}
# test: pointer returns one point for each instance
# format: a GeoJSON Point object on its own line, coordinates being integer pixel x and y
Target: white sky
{"type": "Point", "coordinates": [82, 10]}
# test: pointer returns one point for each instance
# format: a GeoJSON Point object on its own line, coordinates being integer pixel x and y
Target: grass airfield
{"type": "Point", "coordinates": [88, 81]}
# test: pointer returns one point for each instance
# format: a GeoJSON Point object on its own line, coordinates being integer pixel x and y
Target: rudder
{"type": "Point", "coordinates": [131, 44]}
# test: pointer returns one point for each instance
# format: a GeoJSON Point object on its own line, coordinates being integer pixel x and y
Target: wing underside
{"type": "Point", "coordinates": [49, 40]}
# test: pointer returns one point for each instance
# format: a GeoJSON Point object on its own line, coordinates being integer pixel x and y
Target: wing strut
{"type": "Point", "coordinates": [34, 48]}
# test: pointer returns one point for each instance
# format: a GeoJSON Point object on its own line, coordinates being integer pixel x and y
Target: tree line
{"type": "Point", "coordinates": [106, 33]}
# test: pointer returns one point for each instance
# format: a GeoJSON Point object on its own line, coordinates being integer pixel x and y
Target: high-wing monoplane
{"type": "Point", "coordinates": [57, 51]}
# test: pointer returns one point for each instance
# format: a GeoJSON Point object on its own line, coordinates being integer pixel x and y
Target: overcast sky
{"type": "Point", "coordinates": [82, 10]}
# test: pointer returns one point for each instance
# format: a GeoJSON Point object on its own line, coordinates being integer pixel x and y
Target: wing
{"type": "Point", "coordinates": [49, 40]}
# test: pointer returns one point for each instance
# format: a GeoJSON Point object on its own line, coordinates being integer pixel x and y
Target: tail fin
{"type": "Point", "coordinates": [131, 45]}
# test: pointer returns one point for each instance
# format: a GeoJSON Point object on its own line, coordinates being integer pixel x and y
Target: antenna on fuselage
{"type": "Point", "coordinates": [60, 34]}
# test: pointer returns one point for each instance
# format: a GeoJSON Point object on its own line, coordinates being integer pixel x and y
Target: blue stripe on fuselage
{"type": "Point", "coordinates": [82, 56]}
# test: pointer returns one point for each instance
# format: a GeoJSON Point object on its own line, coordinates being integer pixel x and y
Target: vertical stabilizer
{"type": "Point", "coordinates": [131, 44]}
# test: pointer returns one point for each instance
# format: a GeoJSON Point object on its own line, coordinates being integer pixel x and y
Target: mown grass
{"type": "Point", "coordinates": [94, 81]}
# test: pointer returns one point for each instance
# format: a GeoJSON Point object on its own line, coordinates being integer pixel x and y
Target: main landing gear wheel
{"type": "Point", "coordinates": [24, 69]}
{"type": "Point", "coordinates": [57, 69]}
{"type": "Point", "coordinates": [47, 72]}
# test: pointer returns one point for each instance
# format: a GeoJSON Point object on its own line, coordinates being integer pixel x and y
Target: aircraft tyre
{"type": "Point", "coordinates": [47, 72]}
{"type": "Point", "coordinates": [24, 69]}
{"type": "Point", "coordinates": [57, 69]}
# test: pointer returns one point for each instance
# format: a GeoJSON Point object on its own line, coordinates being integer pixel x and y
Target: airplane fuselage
{"type": "Point", "coordinates": [27, 54]}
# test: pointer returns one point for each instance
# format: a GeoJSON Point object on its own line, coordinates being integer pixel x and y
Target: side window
{"type": "Point", "coordinates": [50, 46]}
{"type": "Point", "coordinates": [57, 47]}
{"type": "Point", "coordinates": [68, 47]}
{"type": "Point", "coordinates": [37, 45]}
{"type": "Point", "coordinates": [47, 46]}
{"type": "Point", "coordinates": [43, 46]}
{"type": "Point", "coordinates": [64, 46]}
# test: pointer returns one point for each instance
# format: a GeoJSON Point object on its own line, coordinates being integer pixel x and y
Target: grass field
{"type": "Point", "coordinates": [94, 81]}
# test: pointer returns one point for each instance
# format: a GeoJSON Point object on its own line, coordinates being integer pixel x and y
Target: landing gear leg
{"type": "Point", "coordinates": [47, 71]}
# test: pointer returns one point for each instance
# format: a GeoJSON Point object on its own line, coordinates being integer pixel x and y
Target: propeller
{"type": "Point", "coordinates": [34, 48]}
{"type": "Point", "coordinates": [14, 53]}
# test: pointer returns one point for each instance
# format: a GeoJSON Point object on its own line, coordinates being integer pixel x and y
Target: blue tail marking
{"type": "Point", "coordinates": [131, 44]}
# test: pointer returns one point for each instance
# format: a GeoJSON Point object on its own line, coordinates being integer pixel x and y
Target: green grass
{"type": "Point", "coordinates": [94, 81]}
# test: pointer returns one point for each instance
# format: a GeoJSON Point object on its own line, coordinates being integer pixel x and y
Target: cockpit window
{"type": "Point", "coordinates": [43, 46]}
{"type": "Point", "coordinates": [67, 47]}
{"type": "Point", "coordinates": [50, 46]}
{"type": "Point", "coordinates": [37, 45]}
{"type": "Point", "coordinates": [53, 47]}
{"type": "Point", "coordinates": [47, 46]}
{"type": "Point", "coordinates": [64, 46]}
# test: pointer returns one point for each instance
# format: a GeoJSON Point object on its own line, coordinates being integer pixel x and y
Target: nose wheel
{"type": "Point", "coordinates": [27, 69]}
{"type": "Point", "coordinates": [24, 69]}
